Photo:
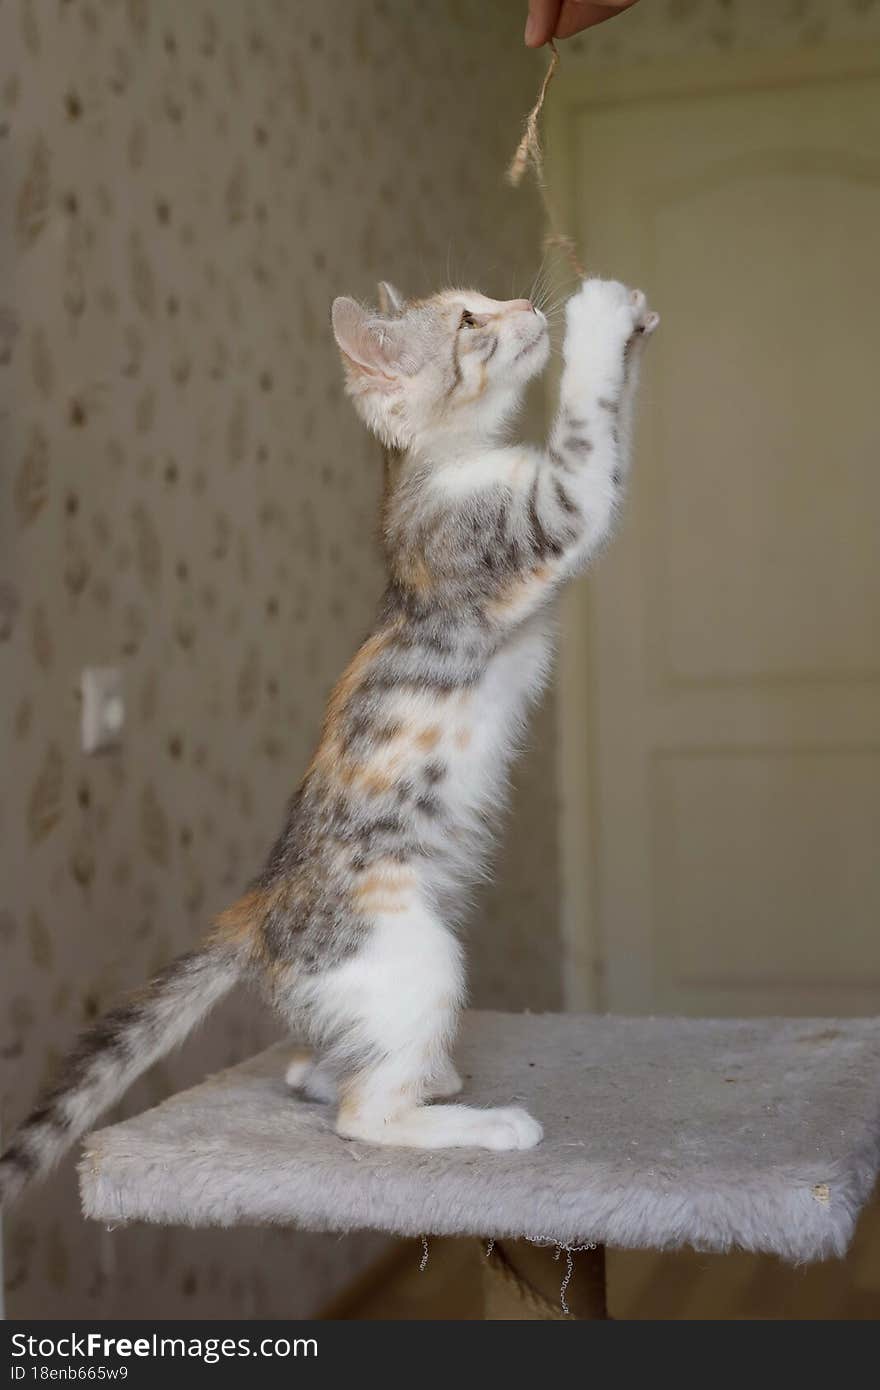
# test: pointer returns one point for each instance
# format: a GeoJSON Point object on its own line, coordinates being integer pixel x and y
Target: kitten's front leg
{"type": "Point", "coordinates": [606, 323]}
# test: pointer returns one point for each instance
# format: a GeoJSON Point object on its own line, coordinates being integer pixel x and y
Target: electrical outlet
{"type": "Point", "coordinates": [103, 709]}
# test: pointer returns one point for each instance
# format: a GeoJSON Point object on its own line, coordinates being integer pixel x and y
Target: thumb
{"type": "Point", "coordinates": [542, 21]}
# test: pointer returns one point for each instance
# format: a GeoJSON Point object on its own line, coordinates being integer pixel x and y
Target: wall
{"type": "Point", "coordinates": [185, 493]}
{"type": "Point", "coordinates": [657, 29]}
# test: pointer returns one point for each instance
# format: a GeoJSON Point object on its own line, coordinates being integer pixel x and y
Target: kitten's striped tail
{"type": "Point", "coordinates": [114, 1052]}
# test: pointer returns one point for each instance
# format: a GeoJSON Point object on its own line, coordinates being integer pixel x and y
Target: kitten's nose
{"type": "Point", "coordinates": [525, 304]}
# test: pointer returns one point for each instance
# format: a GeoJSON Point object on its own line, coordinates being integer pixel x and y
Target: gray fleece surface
{"type": "Point", "coordinates": [759, 1134]}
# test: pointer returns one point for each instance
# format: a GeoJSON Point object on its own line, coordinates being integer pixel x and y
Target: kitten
{"type": "Point", "coordinates": [350, 928]}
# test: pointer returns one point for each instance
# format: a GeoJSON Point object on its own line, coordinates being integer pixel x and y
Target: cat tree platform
{"type": "Point", "coordinates": [761, 1135]}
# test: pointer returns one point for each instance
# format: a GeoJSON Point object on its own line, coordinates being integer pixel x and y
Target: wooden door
{"type": "Point", "coordinates": [721, 671]}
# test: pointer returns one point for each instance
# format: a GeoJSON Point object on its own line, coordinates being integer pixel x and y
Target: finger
{"type": "Point", "coordinates": [576, 15]}
{"type": "Point", "coordinates": [542, 21]}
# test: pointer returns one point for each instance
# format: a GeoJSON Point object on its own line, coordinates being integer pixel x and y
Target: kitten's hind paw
{"type": "Point", "coordinates": [446, 1083]}
{"type": "Point", "coordinates": [298, 1068]}
{"type": "Point", "coordinates": [508, 1128]}
{"type": "Point", "coordinates": [307, 1075]}
{"type": "Point", "coordinates": [443, 1127]}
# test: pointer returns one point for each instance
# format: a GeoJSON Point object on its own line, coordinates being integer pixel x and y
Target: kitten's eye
{"type": "Point", "coordinates": [467, 320]}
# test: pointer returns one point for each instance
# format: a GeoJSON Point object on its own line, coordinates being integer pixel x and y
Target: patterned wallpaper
{"type": "Point", "coordinates": [185, 493]}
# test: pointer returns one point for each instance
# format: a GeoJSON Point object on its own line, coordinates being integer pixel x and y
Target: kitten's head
{"type": "Point", "coordinates": [456, 363]}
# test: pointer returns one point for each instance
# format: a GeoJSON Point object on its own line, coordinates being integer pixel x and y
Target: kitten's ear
{"type": "Point", "coordinates": [375, 362]}
{"type": "Point", "coordinates": [391, 301]}
{"type": "Point", "coordinates": [368, 347]}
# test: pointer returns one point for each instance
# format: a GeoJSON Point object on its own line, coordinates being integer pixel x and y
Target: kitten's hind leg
{"type": "Point", "coordinates": [446, 1082]}
{"type": "Point", "coordinates": [316, 1081]}
{"type": "Point", "coordinates": [413, 1126]}
{"type": "Point", "coordinates": [398, 1000]}
{"type": "Point", "coordinates": [298, 1068]}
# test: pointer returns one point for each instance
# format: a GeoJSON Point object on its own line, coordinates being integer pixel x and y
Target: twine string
{"type": "Point", "coordinates": [529, 153]}
{"type": "Point", "coordinates": [570, 1252]}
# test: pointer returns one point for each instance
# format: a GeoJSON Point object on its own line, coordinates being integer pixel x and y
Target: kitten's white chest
{"type": "Point", "coordinates": [491, 716]}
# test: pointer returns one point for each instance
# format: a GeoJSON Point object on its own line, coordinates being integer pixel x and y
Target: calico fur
{"type": "Point", "coordinates": [349, 930]}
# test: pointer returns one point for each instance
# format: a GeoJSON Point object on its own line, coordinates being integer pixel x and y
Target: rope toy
{"type": "Point", "coordinates": [529, 152]}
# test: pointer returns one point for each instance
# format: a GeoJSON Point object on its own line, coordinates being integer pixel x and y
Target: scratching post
{"type": "Point", "coordinates": [757, 1134]}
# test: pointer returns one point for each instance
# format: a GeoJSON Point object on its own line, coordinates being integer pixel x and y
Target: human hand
{"type": "Point", "coordinates": [559, 19]}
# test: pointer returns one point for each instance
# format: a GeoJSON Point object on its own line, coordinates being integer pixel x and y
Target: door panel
{"type": "Point", "coordinates": [734, 624]}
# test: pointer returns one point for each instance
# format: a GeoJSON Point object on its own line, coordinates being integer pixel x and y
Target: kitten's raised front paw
{"type": "Point", "coordinates": [645, 320]}
{"type": "Point", "coordinates": [607, 311]}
